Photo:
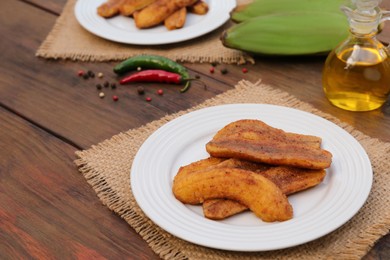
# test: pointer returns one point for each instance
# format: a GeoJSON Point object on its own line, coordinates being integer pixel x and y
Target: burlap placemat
{"type": "Point", "coordinates": [68, 40]}
{"type": "Point", "coordinates": [106, 167]}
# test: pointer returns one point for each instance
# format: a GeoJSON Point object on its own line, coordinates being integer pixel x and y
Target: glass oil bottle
{"type": "Point", "coordinates": [356, 75]}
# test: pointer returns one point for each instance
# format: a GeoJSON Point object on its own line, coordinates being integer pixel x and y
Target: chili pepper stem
{"type": "Point", "coordinates": [188, 84]}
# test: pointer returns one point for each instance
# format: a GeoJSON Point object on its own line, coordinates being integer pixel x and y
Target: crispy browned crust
{"type": "Point", "coordinates": [292, 180]}
{"type": "Point", "coordinates": [155, 13]}
{"type": "Point", "coordinates": [256, 192]}
{"type": "Point", "coordinates": [253, 140]}
{"type": "Point", "coordinates": [261, 128]}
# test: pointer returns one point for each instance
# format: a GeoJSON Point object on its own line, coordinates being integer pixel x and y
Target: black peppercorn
{"type": "Point", "coordinates": [140, 90]}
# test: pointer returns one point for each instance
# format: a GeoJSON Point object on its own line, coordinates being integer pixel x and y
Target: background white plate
{"type": "Point", "coordinates": [317, 211]}
{"type": "Point", "coordinates": [122, 29]}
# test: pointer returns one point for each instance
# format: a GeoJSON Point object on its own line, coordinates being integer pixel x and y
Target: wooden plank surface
{"type": "Point", "coordinates": [47, 210]}
{"type": "Point", "coordinates": [47, 112]}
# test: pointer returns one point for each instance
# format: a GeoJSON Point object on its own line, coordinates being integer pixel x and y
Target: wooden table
{"type": "Point", "coordinates": [47, 112]}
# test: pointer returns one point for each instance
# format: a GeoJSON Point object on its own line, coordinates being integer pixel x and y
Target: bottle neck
{"type": "Point", "coordinates": [363, 34]}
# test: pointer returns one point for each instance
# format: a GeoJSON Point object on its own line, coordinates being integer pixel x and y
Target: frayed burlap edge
{"type": "Point", "coordinates": [169, 247]}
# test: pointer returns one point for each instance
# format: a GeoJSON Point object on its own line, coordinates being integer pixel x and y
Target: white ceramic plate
{"type": "Point", "coordinates": [122, 29]}
{"type": "Point", "coordinates": [317, 211]}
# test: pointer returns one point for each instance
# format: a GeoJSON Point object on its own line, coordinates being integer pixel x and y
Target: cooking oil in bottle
{"type": "Point", "coordinates": [356, 74]}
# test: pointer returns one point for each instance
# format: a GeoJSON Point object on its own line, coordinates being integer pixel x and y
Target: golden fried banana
{"type": "Point", "coordinates": [130, 6]}
{"type": "Point", "coordinates": [155, 13]}
{"type": "Point", "coordinates": [199, 166]}
{"type": "Point", "coordinates": [290, 180]}
{"type": "Point", "coordinates": [261, 128]}
{"type": "Point", "coordinates": [109, 8]}
{"type": "Point", "coordinates": [176, 20]}
{"type": "Point", "coordinates": [263, 143]}
{"type": "Point", "coordinates": [200, 7]}
{"type": "Point", "coordinates": [256, 192]}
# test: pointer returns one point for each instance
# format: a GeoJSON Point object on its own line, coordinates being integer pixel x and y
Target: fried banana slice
{"type": "Point", "coordinates": [214, 162]}
{"type": "Point", "coordinates": [261, 128]}
{"type": "Point", "coordinates": [200, 7]}
{"type": "Point", "coordinates": [218, 209]}
{"type": "Point", "coordinates": [109, 8]}
{"type": "Point", "coordinates": [200, 165]}
{"type": "Point", "coordinates": [290, 180]}
{"type": "Point", "coordinates": [263, 143]}
{"type": "Point", "coordinates": [130, 6]}
{"type": "Point", "coordinates": [176, 20]}
{"type": "Point", "coordinates": [256, 192]}
{"type": "Point", "coordinates": [222, 208]}
{"type": "Point", "coordinates": [155, 13]}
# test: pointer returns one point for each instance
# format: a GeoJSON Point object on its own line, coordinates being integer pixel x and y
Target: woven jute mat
{"type": "Point", "coordinates": [68, 40]}
{"type": "Point", "coordinates": [106, 167]}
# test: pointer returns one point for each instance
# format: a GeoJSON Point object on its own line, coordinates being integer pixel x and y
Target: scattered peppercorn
{"type": "Point", "coordinates": [101, 95]}
{"type": "Point", "coordinates": [244, 70]}
{"type": "Point", "coordinates": [224, 71]}
{"type": "Point", "coordinates": [140, 90]}
{"type": "Point", "coordinates": [91, 74]}
{"type": "Point", "coordinates": [113, 85]}
{"type": "Point", "coordinates": [98, 86]}
{"type": "Point", "coordinates": [100, 75]}
{"type": "Point", "coordinates": [86, 76]}
{"type": "Point", "coordinates": [212, 70]}
{"type": "Point", "coordinates": [115, 98]}
{"type": "Point", "coordinates": [80, 73]}
{"type": "Point", "coordinates": [148, 99]}
{"type": "Point", "coordinates": [197, 76]}
{"type": "Point", "coordinates": [160, 92]}
{"type": "Point", "coordinates": [214, 64]}
{"type": "Point", "coordinates": [106, 84]}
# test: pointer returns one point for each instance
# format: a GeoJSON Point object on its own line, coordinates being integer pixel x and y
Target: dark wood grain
{"type": "Point", "coordinates": [47, 112]}
{"type": "Point", "coordinates": [47, 210]}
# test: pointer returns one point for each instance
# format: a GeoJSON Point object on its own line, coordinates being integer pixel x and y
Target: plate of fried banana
{"type": "Point", "coordinates": [250, 177]}
{"type": "Point", "coordinates": [152, 22]}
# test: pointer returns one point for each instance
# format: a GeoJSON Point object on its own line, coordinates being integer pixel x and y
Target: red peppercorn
{"type": "Point", "coordinates": [115, 98]}
{"type": "Point", "coordinates": [244, 70]}
{"type": "Point", "coordinates": [160, 92]}
{"type": "Point", "coordinates": [80, 73]}
{"type": "Point", "coordinates": [148, 99]}
{"type": "Point", "coordinates": [212, 70]}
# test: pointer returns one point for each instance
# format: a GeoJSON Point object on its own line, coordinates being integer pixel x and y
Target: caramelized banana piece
{"type": "Point", "coordinates": [256, 192]}
{"type": "Point", "coordinates": [263, 143]}
{"type": "Point", "coordinates": [130, 6]}
{"type": "Point", "coordinates": [290, 180]}
{"type": "Point", "coordinates": [155, 13]}
{"type": "Point", "coordinates": [260, 128]}
{"type": "Point", "coordinates": [176, 20]}
{"type": "Point", "coordinates": [109, 8]}
{"type": "Point", "coordinates": [200, 7]}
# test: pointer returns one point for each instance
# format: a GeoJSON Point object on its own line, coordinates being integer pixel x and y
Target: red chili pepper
{"type": "Point", "coordinates": [154, 76]}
